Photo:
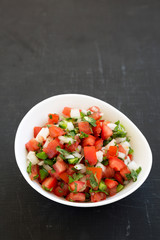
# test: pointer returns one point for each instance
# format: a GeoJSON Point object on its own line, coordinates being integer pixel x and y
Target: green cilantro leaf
{"type": "Point", "coordinates": [134, 174]}
{"type": "Point", "coordinates": [92, 121]}
{"type": "Point", "coordinates": [83, 135]}
{"type": "Point", "coordinates": [130, 150]}
{"type": "Point", "coordinates": [50, 116]}
{"type": "Point", "coordinates": [29, 168]}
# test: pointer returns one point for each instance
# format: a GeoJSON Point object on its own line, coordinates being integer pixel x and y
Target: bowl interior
{"type": "Point", "coordinates": [37, 116]}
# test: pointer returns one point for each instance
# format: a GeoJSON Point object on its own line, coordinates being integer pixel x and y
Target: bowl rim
{"type": "Point", "coordinates": [78, 204]}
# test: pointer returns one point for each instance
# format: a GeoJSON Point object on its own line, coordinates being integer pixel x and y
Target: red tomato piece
{"type": "Point", "coordinates": [106, 131]}
{"type": "Point", "coordinates": [61, 190]}
{"type": "Point", "coordinates": [66, 111]}
{"type": "Point", "coordinates": [55, 131]}
{"type": "Point", "coordinates": [108, 172]}
{"type": "Point", "coordinates": [50, 150]}
{"type": "Point", "coordinates": [113, 191]}
{"type": "Point", "coordinates": [76, 197]}
{"type": "Point", "coordinates": [36, 131]}
{"type": "Point", "coordinates": [110, 183]}
{"type": "Point", "coordinates": [118, 177]}
{"type": "Point", "coordinates": [64, 176]}
{"type": "Point", "coordinates": [96, 171]}
{"type": "Point", "coordinates": [70, 169]}
{"type": "Point", "coordinates": [96, 115]}
{"type": "Point", "coordinates": [53, 173]}
{"type": "Point", "coordinates": [49, 183]}
{"type": "Point", "coordinates": [112, 151]}
{"type": "Point", "coordinates": [97, 130]}
{"type": "Point", "coordinates": [73, 147]}
{"type": "Point", "coordinates": [98, 144]}
{"type": "Point", "coordinates": [60, 166]}
{"type": "Point", "coordinates": [77, 186]}
{"type": "Point", "coordinates": [84, 127]}
{"type": "Point", "coordinates": [94, 109]}
{"type": "Point", "coordinates": [116, 163]}
{"type": "Point", "coordinates": [121, 149]}
{"type": "Point", "coordinates": [88, 141]}
{"type": "Point", "coordinates": [32, 145]}
{"type": "Point", "coordinates": [99, 196]}
{"type": "Point", "coordinates": [125, 171]}
{"type": "Point", "coordinates": [34, 171]}
{"type": "Point", "coordinates": [130, 156]}
{"type": "Point", "coordinates": [53, 118]}
{"type": "Point", "coordinates": [90, 155]}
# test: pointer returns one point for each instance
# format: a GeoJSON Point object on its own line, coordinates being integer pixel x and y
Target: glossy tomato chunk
{"type": "Point", "coordinates": [66, 111]}
{"type": "Point", "coordinates": [53, 118]}
{"type": "Point", "coordinates": [36, 131]}
{"type": "Point", "coordinates": [99, 196]}
{"type": "Point", "coordinates": [88, 141]}
{"type": "Point", "coordinates": [125, 171]}
{"type": "Point", "coordinates": [55, 131]}
{"type": "Point", "coordinates": [106, 131]}
{"type": "Point", "coordinates": [84, 127]}
{"type": "Point", "coordinates": [116, 163]}
{"type": "Point", "coordinates": [118, 177]}
{"type": "Point", "coordinates": [77, 186]}
{"type": "Point", "coordinates": [90, 155]}
{"type": "Point", "coordinates": [76, 197]}
{"type": "Point", "coordinates": [50, 150]}
{"type": "Point", "coordinates": [108, 172]}
{"type": "Point", "coordinates": [99, 144]}
{"type": "Point", "coordinates": [32, 145]}
{"type": "Point", "coordinates": [110, 183]}
{"type": "Point", "coordinates": [60, 166]}
{"type": "Point", "coordinates": [49, 183]}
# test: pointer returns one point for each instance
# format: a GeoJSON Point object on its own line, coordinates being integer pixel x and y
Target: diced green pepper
{"type": "Point", "coordinates": [43, 173]}
{"type": "Point", "coordinates": [102, 186]}
{"type": "Point", "coordinates": [29, 168]}
{"type": "Point", "coordinates": [49, 162]}
{"type": "Point", "coordinates": [119, 187]}
{"type": "Point", "coordinates": [73, 160]}
{"type": "Point", "coordinates": [63, 124]}
{"type": "Point", "coordinates": [42, 155]}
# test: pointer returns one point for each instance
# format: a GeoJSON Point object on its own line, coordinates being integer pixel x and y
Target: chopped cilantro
{"type": "Point", "coordinates": [134, 174]}
{"type": "Point", "coordinates": [75, 177]}
{"type": "Point", "coordinates": [92, 121]}
{"type": "Point", "coordinates": [88, 113]}
{"type": "Point", "coordinates": [119, 130]}
{"type": "Point", "coordinates": [62, 184]}
{"type": "Point", "coordinates": [127, 139]}
{"type": "Point", "coordinates": [39, 145]}
{"type": "Point", "coordinates": [82, 114]}
{"type": "Point", "coordinates": [49, 125]}
{"type": "Point", "coordinates": [73, 160]}
{"type": "Point", "coordinates": [47, 189]}
{"type": "Point", "coordinates": [60, 191]}
{"type": "Point", "coordinates": [35, 176]}
{"type": "Point", "coordinates": [105, 162]}
{"type": "Point", "coordinates": [83, 135]}
{"type": "Point", "coordinates": [130, 150]}
{"type": "Point", "coordinates": [62, 151]}
{"type": "Point", "coordinates": [50, 116]}
{"type": "Point", "coordinates": [93, 181]}
{"type": "Point", "coordinates": [105, 142]}
{"type": "Point", "coordinates": [50, 162]}
{"type": "Point", "coordinates": [95, 191]}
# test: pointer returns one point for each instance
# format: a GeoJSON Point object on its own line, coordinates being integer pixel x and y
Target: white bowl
{"type": "Point", "coordinates": [37, 116]}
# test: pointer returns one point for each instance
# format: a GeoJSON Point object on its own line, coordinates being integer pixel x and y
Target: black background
{"type": "Point", "coordinates": [109, 49]}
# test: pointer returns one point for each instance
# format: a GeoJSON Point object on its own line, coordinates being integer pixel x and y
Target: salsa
{"type": "Point", "coordinates": [80, 156]}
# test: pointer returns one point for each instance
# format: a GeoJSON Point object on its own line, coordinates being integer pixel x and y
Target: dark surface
{"type": "Point", "coordinates": [107, 49]}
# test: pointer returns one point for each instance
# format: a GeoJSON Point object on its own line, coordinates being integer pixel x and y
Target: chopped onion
{"type": "Point", "coordinates": [42, 135]}
{"type": "Point", "coordinates": [80, 167]}
{"type": "Point", "coordinates": [132, 165]}
{"type": "Point", "coordinates": [32, 158]}
{"type": "Point", "coordinates": [66, 139]}
{"type": "Point", "coordinates": [79, 148]}
{"type": "Point", "coordinates": [47, 167]}
{"type": "Point", "coordinates": [126, 146]}
{"type": "Point", "coordinates": [119, 140]}
{"type": "Point", "coordinates": [101, 166]}
{"type": "Point", "coordinates": [70, 126]}
{"type": "Point", "coordinates": [111, 126]}
{"type": "Point", "coordinates": [76, 154]}
{"type": "Point", "coordinates": [99, 155]}
{"type": "Point", "coordinates": [127, 160]}
{"type": "Point", "coordinates": [41, 163]}
{"type": "Point", "coordinates": [75, 113]}
{"type": "Point", "coordinates": [112, 143]}
{"type": "Point", "coordinates": [48, 140]}
{"type": "Point", "coordinates": [69, 156]}
{"type": "Point", "coordinates": [121, 155]}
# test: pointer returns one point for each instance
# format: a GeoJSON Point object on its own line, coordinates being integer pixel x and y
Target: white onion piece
{"type": "Point", "coordinates": [48, 140]}
{"type": "Point", "coordinates": [99, 155]}
{"type": "Point", "coordinates": [127, 160]}
{"type": "Point", "coordinates": [132, 165]}
{"type": "Point", "coordinates": [41, 163]}
{"type": "Point", "coordinates": [32, 158]}
{"type": "Point", "coordinates": [121, 155]}
{"type": "Point", "coordinates": [84, 111]}
{"type": "Point", "coordinates": [66, 139]}
{"type": "Point", "coordinates": [76, 154]}
{"type": "Point", "coordinates": [111, 126]}
{"type": "Point", "coordinates": [42, 135]}
{"type": "Point", "coordinates": [69, 156]}
{"type": "Point", "coordinates": [101, 166]}
{"type": "Point", "coordinates": [70, 126]}
{"type": "Point", "coordinates": [80, 167]}
{"type": "Point", "coordinates": [126, 146]}
{"type": "Point", "coordinates": [119, 140]}
{"type": "Point", "coordinates": [47, 167]}
{"type": "Point", "coordinates": [75, 113]}
{"type": "Point", "coordinates": [79, 148]}
{"type": "Point", "coordinates": [112, 143]}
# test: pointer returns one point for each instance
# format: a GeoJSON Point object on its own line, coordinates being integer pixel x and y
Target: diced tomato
{"type": "Point", "coordinates": [73, 147]}
{"type": "Point", "coordinates": [61, 190]}
{"type": "Point", "coordinates": [76, 197]}
{"type": "Point", "coordinates": [112, 151]}
{"type": "Point", "coordinates": [97, 130]}
{"type": "Point", "coordinates": [96, 171]}
{"type": "Point", "coordinates": [49, 183]}
{"type": "Point", "coordinates": [53, 118]}
{"type": "Point", "coordinates": [130, 156]}
{"type": "Point", "coordinates": [118, 177]}
{"type": "Point", "coordinates": [116, 163]}
{"type": "Point", "coordinates": [84, 127]}
{"type": "Point", "coordinates": [121, 149]}
{"type": "Point", "coordinates": [99, 144]}
{"type": "Point", "coordinates": [70, 169]}
{"type": "Point", "coordinates": [90, 155]}
{"type": "Point", "coordinates": [64, 176]}
{"type": "Point", "coordinates": [34, 171]}
{"type": "Point", "coordinates": [77, 186]}
{"type": "Point", "coordinates": [66, 111]}
{"type": "Point", "coordinates": [125, 171]}
{"type": "Point", "coordinates": [110, 183]}
{"type": "Point", "coordinates": [36, 131]}
{"type": "Point", "coordinates": [108, 172]}
{"type": "Point", "coordinates": [60, 166]}
{"type": "Point", "coordinates": [55, 131]}
{"type": "Point", "coordinates": [99, 196]}
{"type": "Point", "coordinates": [50, 150]}
{"type": "Point", "coordinates": [106, 131]}
{"type": "Point", "coordinates": [96, 115]}
{"type": "Point", "coordinates": [88, 141]}
{"type": "Point", "coordinates": [32, 145]}
{"type": "Point", "coordinates": [94, 109]}
{"type": "Point", "coordinates": [113, 191]}
{"type": "Point", "coordinates": [53, 173]}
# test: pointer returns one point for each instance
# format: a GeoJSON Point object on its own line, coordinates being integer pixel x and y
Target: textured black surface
{"type": "Point", "coordinates": [107, 49]}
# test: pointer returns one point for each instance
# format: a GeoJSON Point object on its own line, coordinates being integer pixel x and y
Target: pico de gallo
{"type": "Point", "coordinates": [80, 156]}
